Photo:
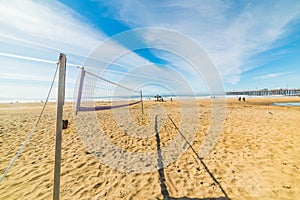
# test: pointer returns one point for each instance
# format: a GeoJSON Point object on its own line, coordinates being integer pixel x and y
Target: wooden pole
{"type": "Point", "coordinates": [80, 89]}
{"type": "Point", "coordinates": [142, 104]}
{"type": "Point", "coordinates": [59, 115]}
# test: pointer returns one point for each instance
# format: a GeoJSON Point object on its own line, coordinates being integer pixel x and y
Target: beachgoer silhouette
{"type": "Point", "coordinates": [240, 98]}
{"type": "Point", "coordinates": [244, 99]}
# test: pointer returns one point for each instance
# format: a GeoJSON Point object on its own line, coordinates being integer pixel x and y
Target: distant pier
{"type": "Point", "coordinates": [266, 92]}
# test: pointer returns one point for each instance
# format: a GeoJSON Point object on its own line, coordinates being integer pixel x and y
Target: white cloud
{"type": "Point", "coordinates": [50, 26]}
{"type": "Point", "coordinates": [48, 23]}
{"type": "Point", "coordinates": [231, 32]}
{"type": "Point", "coordinates": [22, 77]}
{"type": "Point", "coordinates": [186, 57]}
{"type": "Point", "coordinates": [34, 32]}
{"type": "Point", "coordinates": [272, 75]}
{"type": "Point", "coordinates": [27, 58]}
{"type": "Point", "coordinates": [138, 75]}
{"type": "Point", "coordinates": [38, 30]}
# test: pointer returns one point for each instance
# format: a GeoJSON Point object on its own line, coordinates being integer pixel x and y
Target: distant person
{"type": "Point", "coordinates": [240, 98]}
{"type": "Point", "coordinates": [244, 99]}
{"type": "Point", "coordinates": [171, 99]}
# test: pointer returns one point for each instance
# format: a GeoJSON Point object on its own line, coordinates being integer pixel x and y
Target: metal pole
{"type": "Point", "coordinates": [60, 103]}
{"type": "Point", "coordinates": [80, 90]}
{"type": "Point", "coordinates": [142, 104]}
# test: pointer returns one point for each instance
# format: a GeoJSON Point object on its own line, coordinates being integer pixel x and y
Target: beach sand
{"type": "Point", "coordinates": [257, 155]}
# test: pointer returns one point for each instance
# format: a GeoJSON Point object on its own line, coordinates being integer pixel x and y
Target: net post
{"type": "Point", "coordinates": [59, 115]}
{"type": "Point", "coordinates": [80, 89]}
{"type": "Point", "coordinates": [142, 104]}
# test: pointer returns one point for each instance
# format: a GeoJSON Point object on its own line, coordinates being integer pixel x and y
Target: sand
{"type": "Point", "coordinates": [256, 157]}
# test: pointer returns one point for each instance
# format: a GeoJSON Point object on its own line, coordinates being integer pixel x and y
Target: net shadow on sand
{"type": "Point", "coordinates": [162, 179]}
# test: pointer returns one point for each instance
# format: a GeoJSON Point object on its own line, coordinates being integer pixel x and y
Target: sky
{"type": "Point", "coordinates": [244, 44]}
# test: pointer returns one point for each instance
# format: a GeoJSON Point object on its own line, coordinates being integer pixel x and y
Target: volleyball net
{"type": "Point", "coordinates": [97, 93]}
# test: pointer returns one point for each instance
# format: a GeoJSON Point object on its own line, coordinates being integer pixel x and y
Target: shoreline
{"type": "Point", "coordinates": [146, 98]}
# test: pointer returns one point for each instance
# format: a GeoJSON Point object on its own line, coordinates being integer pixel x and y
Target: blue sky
{"type": "Point", "coordinates": [253, 44]}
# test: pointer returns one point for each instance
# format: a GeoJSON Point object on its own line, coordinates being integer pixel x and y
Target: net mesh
{"type": "Point", "coordinates": [97, 93]}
